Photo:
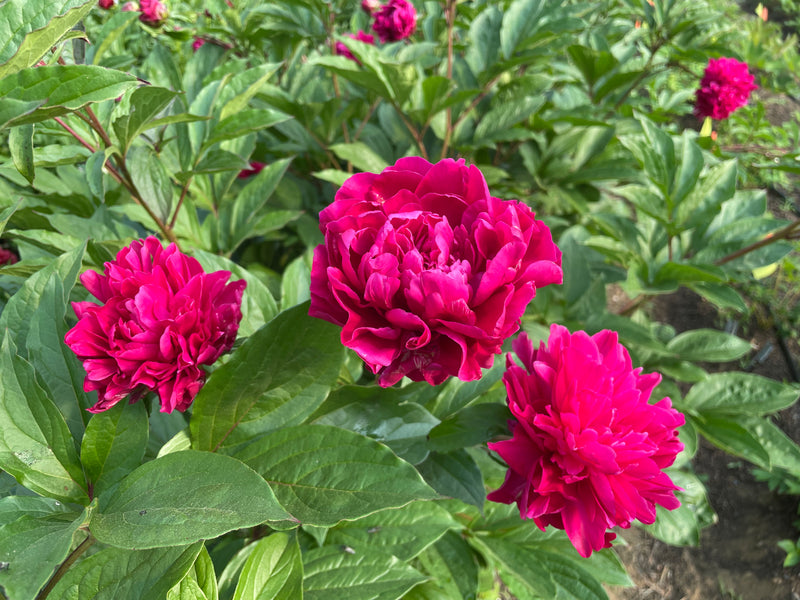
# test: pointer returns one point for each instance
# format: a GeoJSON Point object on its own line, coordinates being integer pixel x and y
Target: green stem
{"type": "Point", "coordinates": [450, 16]}
{"type": "Point", "coordinates": [64, 567]}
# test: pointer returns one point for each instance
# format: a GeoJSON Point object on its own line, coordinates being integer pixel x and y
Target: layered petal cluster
{"type": "Point", "coordinates": [361, 36]}
{"type": "Point", "coordinates": [395, 20]}
{"type": "Point", "coordinates": [425, 271]}
{"type": "Point", "coordinates": [588, 450]}
{"type": "Point", "coordinates": [106, 4]}
{"type": "Point", "coordinates": [161, 318]}
{"type": "Point", "coordinates": [153, 12]}
{"type": "Point", "coordinates": [725, 87]}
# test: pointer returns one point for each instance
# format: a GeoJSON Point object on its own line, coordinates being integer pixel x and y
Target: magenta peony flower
{"type": "Point", "coordinates": [7, 257]}
{"type": "Point", "coordinates": [342, 50]}
{"type": "Point", "coordinates": [154, 12]}
{"type": "Point", "coordinates": [255, 168]}
{"type": "Point", "coordinates": [588, 449]}
{"type": "Point", "coordinates": [425, 271]}
{"type": "Point", "coordinates": [725, 87]}
{"type": "Point", "coordinates": [106, 4]}
{"type": "Point", "coordinates": [395, 20]}
{"type": "Point", "coordinates": [162, 317]}
{"type": "Point", "coordinates": [197, 43]}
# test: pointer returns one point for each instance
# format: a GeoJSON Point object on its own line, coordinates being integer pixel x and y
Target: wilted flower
{"type": "Point", "coordinates": [161, 318]}
{"type": "Point", "coordinates": [255, 168]}
{"type": "Point", "coordinates": [7, 257]}
{"type": "Point", "coordinates": [342, 50]}
{"type": "Point", "coordinates": [725, 87]}
{"type": "Point", "coordinates": [588, 450]}
{"type": "Point", "coordinates": [154, 12]}
{"type": "Point", "coordinates": [395, 20]}
{"type": "Point", "coordinates": [425, 271]}
{"type": "Point", "coordinates": [106, 4]}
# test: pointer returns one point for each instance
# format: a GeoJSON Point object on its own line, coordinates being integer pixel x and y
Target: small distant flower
{"type": "Point", "coordinates": [162, 317]}
{"type": "Point", "coordinates": [725, 87]}
{"type": "Point", "coordinates": [106, 4]}
{"type": "Point", "coordinates": [425, 271]}
{"type": "Point", "coordinates": [588, 450]}
{"type": "Point", "coordinates": [370, 6]}
{"type": "Point", "coordinates": [7, 257]}
{"type": "Point", "coordinates": [154, 12]}
{"type": "Point", "coordinates": [395, 20]}
{"type": "Point", "coordinates": [342, 50]}
{"type": "Point", "coordinates": [197, 43]}
{"type": "Point", "coordinates": [130, 7]}
{"type": "Point", "coordinates": [255, 168]}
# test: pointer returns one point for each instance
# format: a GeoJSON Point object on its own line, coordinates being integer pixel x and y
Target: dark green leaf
{"type": "Point", "coordinates": [729, 434]}
{"type": "Point", "coordinates": [151, 179]}
{"type": "Point", "coordinates": [455, 475]}
{"type": "Point", "coordinates": [145, 105]}
{"type": "Point", "coordinates": [529, 574]}
{"type": "Point", "coordinates": [453, 563]}
{"type": "Point", "coordinates": [244, 122]}
{"type": "Point", "coordinates": [470, 426]}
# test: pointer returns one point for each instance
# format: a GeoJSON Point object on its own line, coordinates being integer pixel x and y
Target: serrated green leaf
{"type": "Point", "coordinates": [708, 345]}
{"type": "Point", "coordinates": [323, 475]}
{"type": "Point", "coordinates": [735, 392]}
{"type": "Point", "coordinates": [273, 571]}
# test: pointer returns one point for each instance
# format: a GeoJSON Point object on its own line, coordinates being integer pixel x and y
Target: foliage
{"type": "Point", "coordinates": [293, 474]}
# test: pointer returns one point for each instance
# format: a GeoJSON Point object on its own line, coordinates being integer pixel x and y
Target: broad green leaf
{"type": "Point", "coordinates": [217, 160]}
{"type": "Point", "coordinates": [370, 79]}
{"type": "Point", "coordinates": [20, 144]}
{"type": "Point", "coordinates": [18, 18]}
{"type": "Point", "coordinates": [36, 447]}
{"type": "Point", "coordinates": [531, 577]}
{"type": "Point", "coordinates": [145, 104]}
{"type": "Point", "coordinates": [470, 426]}
{"type": "Point", "coordinates": [504, 116]}
{"type": "Point", "coordinates": [361, 156]}
{"type": "Point", "coordinates": [323, 475]}
{"type": "Point", "coordinates": [200, 583]}
{"type": "Point", "coordinates": [94, 174]}
{"type": "Point", "coordinates": [518, 20]}
{"type": "Point", "coordinates": [736, 392]}
{"type": "Point", "coordinates": [296, 282]}
{"type": "Point", "coordinates": [685, 273]}
{"type": "Point", "coordinates": [186, 589]}
{"type": "Point", "coordinates": [244, 122]}
{"type": "Point", "coordinates": [681, 526]}
{"type": "Point", "coordinates": [11, 109]}
{"type": "Point", "coordinates": [151, 179]}
{"type": "Point", "coordinates": [689, 170]}
{"type": "Point", "coordinates": [783, 452]}
{"type": "Point", "coordinates": [403, 532]}
{"type": "Point", "coordinates": [700, 206]}
{"type": "Point", "coordinates": [273, 571]}
{"type": "Point", "coordinates": [455, 475]}
{"type": "Point", "coordinates": [118, 574]}
{"type": "Point", "coordinates": [662, 169]}
{"type": "Point", "coordinates": [708, 345]}
{"type": "Point", "coordinates": [723, 296]}
{"type": "Point", "coordinates": [245, 86]}
{"type": "Point", "coordinates": [61, 89]}
{"type": "Point", "coordinates": [456, 394]}
{"type": "Point", "coordinates": [730, 433]}
{"type": "Point", "coordinates": [570, 578]}
{"type": "Point", "coordinates": [453, 564]}
{"type": "Point", "coordinates": [114, 444]}
{"type": "Point", "coordinates": [483, 42]}
{"type": "Point", "coordinates": [112, 30]}
{"type": "Point", "coordinates": [276, 378]}
{"type": "Point", "coordinates": [183, 497]}
{"type": "Point", "coordinates": [36, 535]}
{"type": "Point", "coordinates": [333, 573]}
{"type": "Point", "coordinates": [7, 213]}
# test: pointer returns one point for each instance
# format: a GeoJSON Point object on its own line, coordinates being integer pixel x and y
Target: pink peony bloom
{"type": "Point", "coordinates": [396, 20]}
{"type": "Point", "coordinates": [154, 12]}
{"type": "Point", "coordinates": [197, 43]}
{"type": "Point", "coordinates": [342, 50]}
{"type": "Point", "coordinates": [106, 4]}
{"type": "Point", "coordinates": [588, 450]}
{"type": "Point", "coordinates": [725, 87]}
{"type": "Point", "coordinates": [255, 168]}
{"type": "Point", "coordinates": [130, 7]}
{"type": "Point", "coordinates": [7, 257]}
{"type": "Point", "coordinates": [370, 6]}
{"type": "Point", "coordinates": [161, 317]}
{"type": "Point", "coordinates": [425, 271]}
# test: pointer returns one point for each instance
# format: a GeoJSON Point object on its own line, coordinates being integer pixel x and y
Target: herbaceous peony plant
{"type": "Point", "coordinates": [272, 331]}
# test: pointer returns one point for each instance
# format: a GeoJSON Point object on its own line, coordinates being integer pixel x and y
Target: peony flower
{"type": "Point", "coordinates": [255, 168]}
{"type": "Point", "coordinates": [588, 450]}
{"type": "Point", "coordinates": [106, 4]}
{"type": "Point", "coordinates": [154, 12]}
{"type": "Point", "coordinates": [161, 318]}
{"type": "Point", "coordinates": [197, 43]}
{"type": "Point", "coordinates": [395, 20]}
{"type": "Point", "coordinates": [425, 271]}
{"type": "Point", "coordinates": [7, 257]}
{"type": "Point", "coordinates": [342, 50]}
{"type": "Point", "coordinates": [725, 87]}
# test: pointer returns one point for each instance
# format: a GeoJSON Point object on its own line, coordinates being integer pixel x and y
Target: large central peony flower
{"type": "Point", "coordinates": [162, 317]}
{"type": "Point", "coordinates": [425, 271]}
{"type": "Point", "coordinates": [588, 449]}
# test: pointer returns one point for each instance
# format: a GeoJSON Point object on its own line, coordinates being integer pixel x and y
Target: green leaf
{"type": "Point", "coordinates": [36, 447]}
{"type": "Point", "coordinates": [112, 30]}
{"type": "Point", "coordinates": [114, 444]}
{"type": "Point", "coordinates": [518, 21]}
{"type": "Point", "coordinates": [11, 109]}
{"type": "Point", "coordinates": [183, 497]}
{"type": "Point", "coordinates": [721, 295]}
{"type": "Point", "coordinates": [244, 122]}
{"type": "Point", "coordinates": [735, 392]}
{"type": "Point", "coordinates": [30, 26]}
{"type": "Point", "coordinates": [20, 144]}
{"type": "Point", "coordinates": [571, 580]}
{"type": "Point", "coordinates": [273, 571]}
{"type": "Point", "coordinates": [245, 86]}
{"type": "Point", "coordinates": [60, 89]}
{"type": "Point", "coordinates": [455, 475]}
{"type": "Point", "coordinates": [334, 573]}
{"type": "Point", "coordinates": [730, 433]}
{"type": "Point", "coordinates": [530, 574]}
{"type": "Point", "coordinates": [689, 170]}
{"type": "Point", "coordinates": [217, 160]}
{"type": "Point", "coordinates": [296, 282]}
{"type": "Point", "coordinates": [276, 378]}
{"type": "Point", "coordinates": [704, 201]}
{"type": "Point", "coordinates": [361, 156]}
{"type": "Point", "coordinates": [323, 475]}
{"type": "Point", "coordinates": [151, 179]}
{"type": "Point", "coordinates": [456, 394]}
{"type": "Point", "coordinates": [403, 532]}
{"type": "Point", "coordinates": [117, 574]}
{"type": "Point", "coordinates": [681, 526]}
{"type": "Point", "coordinates": [36, 535]}
{"type": "Point", "coordinates": [708, 345]}
{"type": "Point", "coordinates": [504, 116]}
{"type": "Point", "coordinates": [200, 583]}
{"type": "Point", "coordinates": [187, 589]}
{"type": "Point", "coordinates": [783, 452]}
{"type": "Point", "coordinates": [145, 104]}
{"type": "Point", "coordinates": [470, 426]}
{"type": "Point", "coordinates": [94, 174]}
{"type": "Point", "coordinates": [453, 564]}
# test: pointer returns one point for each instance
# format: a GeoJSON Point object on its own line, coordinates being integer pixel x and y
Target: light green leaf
{"type": "Point", "coordinates": [151, 179]}
{"type": "Point", "coordinates": [296, 282]}
{"type": "Point", "coordinates": [276, 378]}
{"type": "Point", "coordinates": [708, 345]}
{"type": "Point", "coordinates": [20, 144]}
{"type": "Point", "coordinates": [735, 392]}
{"type": "Point", "coordinates": [244, 122]}
{"type": "Point", "coordinates": [505, 115]}
{"type": "Point", "coordinates": [183, 497]}
{"type": "Point", "coordinates": [518, 21]}
{"type": "Point", "coordinates": [200, 583]}
{"type": "Point", "coordinates": [361, 156]}
{"type": "Point", "coordinates": [114, 444]}
{"type": "Point", "coordinates": [117, 574]}
{"type": "Point", "coordinates": [35, 537]}
{"type": "Point", "coordinates": [245, 86]}
{"type": "Point", "coordinates": [273, 571]}
{"type": "Point", "coordinates": [145, 104]}
{"type": "Point", "coordinates": [323, 475]}
{"type": "Point", "coordinates": [334, 573]}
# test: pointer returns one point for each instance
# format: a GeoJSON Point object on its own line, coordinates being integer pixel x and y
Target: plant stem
{"type": "Point", "coordinates": [781, 234]}
{"type": "Point", "coordinates": [450, 16]}
{"type": "Point", "coordinates": [64, 566]}
{"type": "Point", "coordinates": [412, 130]}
